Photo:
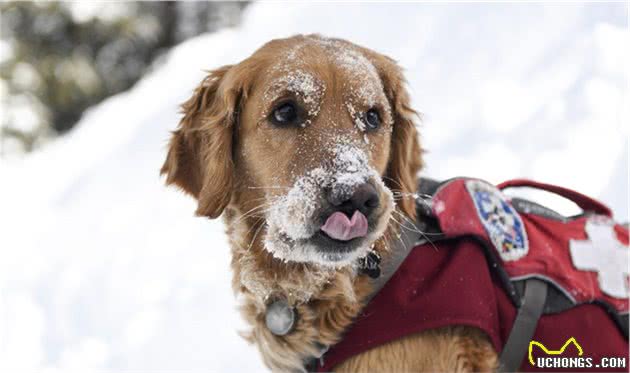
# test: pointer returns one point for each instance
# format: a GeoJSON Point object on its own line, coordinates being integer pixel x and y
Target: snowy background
{"type": "Point", "coordinates": [102, 268]}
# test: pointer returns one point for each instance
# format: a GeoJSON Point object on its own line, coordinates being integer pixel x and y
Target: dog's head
{"type": "Point", "coordinates": [312, 137]}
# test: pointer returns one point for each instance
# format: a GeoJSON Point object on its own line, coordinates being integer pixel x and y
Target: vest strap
{"type": "Point", "coordinates": [532, 305]}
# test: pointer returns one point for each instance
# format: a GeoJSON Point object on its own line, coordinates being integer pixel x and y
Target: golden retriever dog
{"type": "Point", "coordinates": [309, 150]}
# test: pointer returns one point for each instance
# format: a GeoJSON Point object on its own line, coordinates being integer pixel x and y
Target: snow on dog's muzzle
{"type": "Point", "coordinates": [332, 214]}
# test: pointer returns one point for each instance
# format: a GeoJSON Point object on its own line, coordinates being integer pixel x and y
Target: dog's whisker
{"type": "Point", "coordinates": [265, 204]}
{"type": "Point", "coordinates": [253, 211]}
{"type": "Point", "coordinates": [393, 180]}
{"type": "Point", "coordinates": [257, 217]}
{"type": "Point", "coordinates": [256, 210]}
{"type": "Point", "coordinates": [398, 192]}
{"type": "Point", "coordinates": [396, 221]}
{"type": "Point", "coordinates": [399, 196]}
{"type": "Point", "coordinates": [268, 187]}
{"type": "Point", "coordinates": [250, 230]}
{"type": "Point", "coordinates": [383, 239]}
{"type": "Point", "coordinates": [259, 199]}
{"type": "Point", "coordinates": [423, 234]}
{"type": "Point", "coordinates": [414, 229]}
{"type": "Point", "coordinates": [405, 194]}
{"type": "Point", "coordinates": [387, 237]}
{"type": "Point", "coordinates": [397, 235]}
{"type": "Point", "coordinates": [262, 224]}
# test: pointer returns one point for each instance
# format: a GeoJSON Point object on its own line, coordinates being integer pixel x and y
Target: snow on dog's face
{"type": "Point", "coordinates": [305, 141]}
{"type": "Point", "coordinates": [320, 219]}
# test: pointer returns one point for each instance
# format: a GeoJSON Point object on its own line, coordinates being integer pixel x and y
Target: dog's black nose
{"type": "Point", "coordinates": [364, 198]}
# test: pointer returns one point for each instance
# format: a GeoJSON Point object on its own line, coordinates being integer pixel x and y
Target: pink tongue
{"type": "Point", "coordinates": [339, 227]}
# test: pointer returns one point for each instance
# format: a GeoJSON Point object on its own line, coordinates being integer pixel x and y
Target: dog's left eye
{"type": "Point", "coordinates": [284, 114]}
{"type": "Point", "coordinates": [372, 119]}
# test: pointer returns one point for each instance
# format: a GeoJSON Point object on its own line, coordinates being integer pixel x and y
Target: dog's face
{"type": "Point", "coordinates": [310, 136]}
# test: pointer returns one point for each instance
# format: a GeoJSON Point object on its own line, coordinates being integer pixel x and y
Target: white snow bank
{"type": "Point", "coordinates": [102, 268]}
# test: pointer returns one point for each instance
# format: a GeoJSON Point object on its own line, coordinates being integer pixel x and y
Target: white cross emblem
{"type": "Point", "coordinates": [604, 254]}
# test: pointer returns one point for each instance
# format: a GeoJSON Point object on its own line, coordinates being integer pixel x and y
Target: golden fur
{"type": "Point", "coordinates": [226, 155]}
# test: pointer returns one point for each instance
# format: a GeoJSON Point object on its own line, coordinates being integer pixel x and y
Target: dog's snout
{"type": "Point", "coordinates": [364, 198]}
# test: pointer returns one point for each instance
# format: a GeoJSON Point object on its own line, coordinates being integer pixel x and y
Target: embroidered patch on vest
{"type": "Point", "coordinates": [501, 222]}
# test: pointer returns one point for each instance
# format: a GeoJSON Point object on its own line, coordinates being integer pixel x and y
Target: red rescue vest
{"type": "Point", "coordinates": [472, 275]}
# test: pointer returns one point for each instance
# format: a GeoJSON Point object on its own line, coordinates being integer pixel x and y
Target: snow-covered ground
{"type": "Point", "coordinates": [104, 269]}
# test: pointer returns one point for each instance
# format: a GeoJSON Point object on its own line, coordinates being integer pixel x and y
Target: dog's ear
{"type": "Point", "coordinates": [199, 159]}
{"type": "Point", "coordinates": [405, 160]}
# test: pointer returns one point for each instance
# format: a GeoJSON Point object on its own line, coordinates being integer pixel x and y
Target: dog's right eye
{"type": "Point", "coordinates": [284, 114]}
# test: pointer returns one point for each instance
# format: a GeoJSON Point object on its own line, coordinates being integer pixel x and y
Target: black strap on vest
{"type": "Point", "coordinates": [532, 305]}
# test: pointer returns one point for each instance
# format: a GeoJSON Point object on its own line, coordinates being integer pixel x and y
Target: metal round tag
{"type": "Point", "coordinates": [280, 317]}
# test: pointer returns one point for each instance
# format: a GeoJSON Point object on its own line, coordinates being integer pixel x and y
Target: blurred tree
{"type": "Point", "coordinates": [57, 59]}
